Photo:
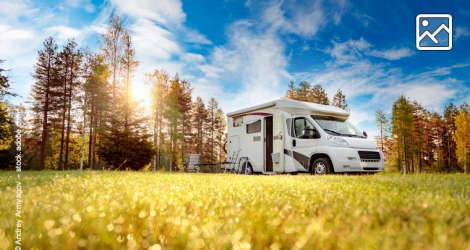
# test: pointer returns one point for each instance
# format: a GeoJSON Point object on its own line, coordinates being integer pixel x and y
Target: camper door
{"type": "Point", "coordinates": [278, 143]}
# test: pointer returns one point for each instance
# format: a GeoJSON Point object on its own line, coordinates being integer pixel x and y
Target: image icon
{"type": "Point", "coordinates": [434, 32]}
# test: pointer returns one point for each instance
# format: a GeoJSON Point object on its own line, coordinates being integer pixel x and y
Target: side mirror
{"type": "Point", "coordinates": [310, 133]}
{"type": "Point", "coordinates": [364, 133]}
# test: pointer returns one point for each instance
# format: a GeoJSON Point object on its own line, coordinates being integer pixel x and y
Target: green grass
{"type": "Point", "coordinates": [136, 210]}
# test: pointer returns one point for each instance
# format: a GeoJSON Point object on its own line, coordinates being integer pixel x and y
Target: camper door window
{"type": "Point", "coordinates": [299, 125]}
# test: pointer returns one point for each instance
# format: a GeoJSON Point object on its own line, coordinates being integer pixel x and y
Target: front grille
{"type": "Point", "coordinates": [371, 168]}
{"type": "Point", "coordinates": [369, 155]}
{"type": "Point", "coordinates": [370, 160]}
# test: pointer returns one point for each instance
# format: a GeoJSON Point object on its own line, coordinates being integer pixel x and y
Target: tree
{"type": "Point", "coordinates": [307, 93]}
{"type": "Point", "coordinates": [112, 46]}
{"type": "Point", "coordinates": [319, 95]}
{"type": "Point", "coordinates": [158, 80]}
{"type": "Point", "coordinates": [126, 134]}
{"type": "Point", "coordinates": [42, 90]}
{"type": "Point", "coordinates": [5, 134]}
{"type": "Point", "coordinates": [174, 117]}
{"type": "Point", "coordinates": [96, 99]}
{"type": "Point", "coordinates": [199, 125]}
{"type": "Point", "coordinates": [69, 73]}
{"type": "Point", "coordinates": [462, 137]}
{"type": "Point", "coordinates": [129, 66]}
{"type": "Point", "coordinates": [339, 100]}
{"type": "Point", "coordinates": [4, 83]}
{"type": "Point", "coordinates": [382, 123]}
{"type": "Point", "coordinates": [212, 125]}
{"type": "Point", "coordinates": [402, 127]}
{"type": "Point", "coordinates": [450, 112]}
{"type": "Point", "coordinates": [123, 150]}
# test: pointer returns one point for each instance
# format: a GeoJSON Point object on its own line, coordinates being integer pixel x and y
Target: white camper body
{"type": "Point", "coordinates": [288, 136]}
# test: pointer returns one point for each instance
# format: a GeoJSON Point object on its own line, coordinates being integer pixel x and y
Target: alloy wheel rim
{"type": "Point", "coordinates": [320, 168]}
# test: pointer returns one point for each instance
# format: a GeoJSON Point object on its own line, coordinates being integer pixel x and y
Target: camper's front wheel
{"type": "Point", "coordinates": [322, 166]}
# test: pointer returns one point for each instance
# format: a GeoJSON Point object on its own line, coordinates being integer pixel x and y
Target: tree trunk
{"type": "Point", "coordinates": [64, 111]}
{"type": "Point", "coordinates": [91, 136]}
{"type": "Point", "coordinates": [44, 125]}
{"type": "Point", "coordinates": [83, 136]}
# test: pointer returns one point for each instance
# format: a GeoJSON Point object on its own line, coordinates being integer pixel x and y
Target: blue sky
{"type": "Point", "coordinates": [246, 52]}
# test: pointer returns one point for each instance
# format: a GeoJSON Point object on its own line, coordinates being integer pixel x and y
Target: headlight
{"type": "Point", "coordinates": [338, 140]}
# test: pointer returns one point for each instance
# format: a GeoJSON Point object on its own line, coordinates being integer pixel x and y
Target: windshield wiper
{"type": "Point", "coordinates": [331, 131]}
{"type": "Point", "coordinates": [353, 135]}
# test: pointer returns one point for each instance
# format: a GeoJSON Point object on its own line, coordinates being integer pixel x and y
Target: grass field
{"type": "Point", "coordinates": [138, 210]}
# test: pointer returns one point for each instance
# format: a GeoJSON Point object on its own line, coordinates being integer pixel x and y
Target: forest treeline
{"type": "Point", "coordinates": [81, 114]}
{"type": "Point", "coordinates": [416, 140]}
{"type": "Point", "coordinates": [412, 138]}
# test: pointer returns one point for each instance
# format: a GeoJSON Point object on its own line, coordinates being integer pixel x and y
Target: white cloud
{"type": "Point", "coordinates": [392, 54]}
{"type": "Point", "coordinates": [11, 10]}
{"type": "Point", "coordinates": [361, 79]}
{"type": "Point", "coordinates": [461, 32]}
{"type": "Point", "coordinates": [304, 21]}
{"type": "Point", "coordinates": [254, 62]}
{"type": "Point", "coordinates": [352, 50]}
{"type": "Point", "coordinates": [85, 4]}
{"type": "Point", "coordinates": [166, 12]}
{"type": "Point", "coordinates": [62, 33]}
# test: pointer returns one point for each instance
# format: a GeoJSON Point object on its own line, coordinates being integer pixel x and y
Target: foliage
{"type": "Point", "coordinates": [125, 150]}
{"type": "Point", "coordinates": [339, 100]}
{"type": "Point", "coordinates": [108, 210]}
{"type": "Point", "coordinates": [307, 93]}
{"type": "Point", "coordinates": [462, 137]}
{"type": "Point", "coordinates": [402, 127]}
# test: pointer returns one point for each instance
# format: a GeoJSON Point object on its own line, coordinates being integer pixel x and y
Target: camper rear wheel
{"type": "Point", "coordinates": [322, 166]}
{"type": "Point", "coordinates": [249, 169]}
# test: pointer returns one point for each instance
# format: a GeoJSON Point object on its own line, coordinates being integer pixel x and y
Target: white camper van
{"type": "Point", "coordinates": [288, 136]}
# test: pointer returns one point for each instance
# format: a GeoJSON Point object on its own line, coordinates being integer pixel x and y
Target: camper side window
{"type": "Point", "coordinates": [237, 121]}
{"type": "Point", "coordinates": [299, 125]}
{"type": "Point", "coordinates": [254, 127]}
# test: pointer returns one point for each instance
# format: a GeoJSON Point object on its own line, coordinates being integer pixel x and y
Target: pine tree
{"type": "Point", "coordinates": [97, 97]}
{"type": "Point", "coordinates": [4, 83]}
{"type": "Point", "coordinates": [173, 116]}
{"type": "Point", "coordinates": [199, 125]}
{"type": "Point", "coordinates": [158, 80]}
{"type": "Point", "coordinates": [129, 65]}
{"type": "Point", "coordinates": [402, 127]}
{"type": "Point", "coordinates": [42, 92]}
{"type": "Point", "coordinates": [382, 123]}
{"type": "Point", "coordinates": [112, 43]}
{"type": "Point", "coordinates": [213, 123]}
{"type": "Point", "coordinates": [5, 134]}
{"type": "Point", "coordinates": [450, 112]}
{"type": "Point", "coordinates": [184, 101]}
{"type": "Point", "coordinates": [462, 137]}
{"type": "Point", "coordinates": [70, 71]}
{"type": "Point", "coordinates": [319, 95]}
{"type": "Point", "coordinates": [339, 100]}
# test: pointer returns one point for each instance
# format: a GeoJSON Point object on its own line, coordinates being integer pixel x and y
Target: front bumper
{"type": "Point", "coordinates": [348, 160]}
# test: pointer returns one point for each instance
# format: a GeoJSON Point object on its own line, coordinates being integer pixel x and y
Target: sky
{"type": "Point", "coordinates": [246, 52]}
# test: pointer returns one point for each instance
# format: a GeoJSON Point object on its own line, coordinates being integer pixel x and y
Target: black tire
{"type": "Point", "coordinates": [322, 166]}
{"type": "Point", "coordinates": [249, 169]}
{"type": "Point", "coordinates": [224, 147]}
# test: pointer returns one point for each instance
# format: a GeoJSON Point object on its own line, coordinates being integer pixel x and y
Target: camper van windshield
{"type": "Point", "coordinates": [337, 126]}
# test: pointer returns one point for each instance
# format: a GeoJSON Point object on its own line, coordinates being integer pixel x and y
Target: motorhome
{"type": "Point", "coordinates": [288, 136]}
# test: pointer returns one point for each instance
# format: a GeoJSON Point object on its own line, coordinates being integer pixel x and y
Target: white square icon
{"type": "Point", "coordinates": [434, 32]}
